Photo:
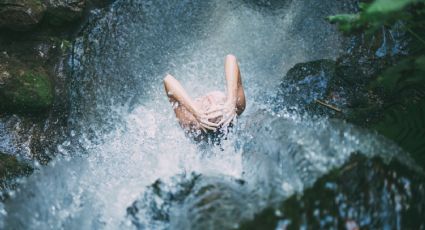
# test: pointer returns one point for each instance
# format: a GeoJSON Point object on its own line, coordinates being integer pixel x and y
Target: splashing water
{"type": "Point", "coordinates": [123, 133]}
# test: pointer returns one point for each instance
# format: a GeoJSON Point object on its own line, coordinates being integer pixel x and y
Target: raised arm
{"type": "Point", "coordinates": [235, 92]}
{"type": "Point", "coordinates": [177, 94]}
{"type": "Point", "coordinates": [235, 99]}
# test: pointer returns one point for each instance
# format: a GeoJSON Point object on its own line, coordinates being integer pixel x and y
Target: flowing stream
{"type": "Point", "coordinates": [123, 135]}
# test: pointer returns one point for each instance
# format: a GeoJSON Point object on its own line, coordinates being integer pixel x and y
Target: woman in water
{"type": "Point", "coordinates": [213, 110]}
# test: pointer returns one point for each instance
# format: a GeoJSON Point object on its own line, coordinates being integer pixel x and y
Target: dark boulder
{"type": "Point", "coordinates": [306, 82]}
{"type": "Point", "coordinates": [344, 83]}
{"type": "Point", "coordinates": [11, 168]}
{"type": "Point", "coordinates": [362, 194]}
{"type": "Point", "coordinates": [64, 11]}
{"type": "Point", "coordinates": [190, 201]}
{"type": "Point", "coordinates": [21, 14]}
{"type": "Point", "coordinates": [24, 89]}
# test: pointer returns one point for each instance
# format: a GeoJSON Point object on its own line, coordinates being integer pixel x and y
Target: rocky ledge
{"type": "Point", "coordinates": [36, 37]}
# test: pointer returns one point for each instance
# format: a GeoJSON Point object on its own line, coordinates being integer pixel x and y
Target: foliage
{"type": "Point", "coordinates": [27, 91]}
{"type": "Point", "coordinates": [11, 168]}
{"type": "Point", "coordinates": [402, 85]}
{"type": "Point", "coordinates": [374, 15]}
{"type": "Point", "coordinates": [405, 124]}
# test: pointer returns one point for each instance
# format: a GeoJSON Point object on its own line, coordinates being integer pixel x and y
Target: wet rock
{"type": "Point", "coordinates": [21, 14]}
{"type": "Point", "coordinates": [268, 4]}
{"type": "Point", "coordinates": [364, 193]}
{"type": "Point", "coordinates": [24, 89]}
{"type": "Point", "coordinates": [189, 202]}
{"type": "Point", "coordinates": [64, 11]}
{"type": "Point", "coordinates": [11, 168]}
{"type": "Point", "coordinates": [344, 83]}
{"type": "Point", "coordinates": [34, 75]}
{"type": "Point", "coordinates": [306, 82]}
{"type": "Point", "coordinates": [99, 3]}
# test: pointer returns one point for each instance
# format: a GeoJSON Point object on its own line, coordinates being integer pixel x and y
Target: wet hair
{"type": "Point", "coordinates": [210, 137]}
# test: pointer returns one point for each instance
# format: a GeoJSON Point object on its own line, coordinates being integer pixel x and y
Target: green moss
{"type": "Point", "coordinates": [27, 92]}
{"type": "Point", "coordinates": [11, 168]}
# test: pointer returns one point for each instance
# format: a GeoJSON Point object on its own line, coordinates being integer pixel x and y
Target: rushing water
{"type": "Point", "coordinates": [123, 135]}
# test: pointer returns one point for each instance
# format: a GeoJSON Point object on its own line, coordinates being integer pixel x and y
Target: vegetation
{"type": "Point", "coordinates": [11, 168]}
{"type": "Point", "coordinates": [402, 85]}
{"type": "Point", "coordinates": [28, 91]}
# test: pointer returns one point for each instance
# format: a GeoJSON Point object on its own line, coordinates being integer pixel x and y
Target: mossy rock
{"type": "Point", "coordinates": [25, 90]}
{"type": "Point", "coordinates": [363, 193]}
{"type": "Point", "coordinates": [11, 168]}
{"type": "Point", "coordinates": [21, 14]}
{"type": "Point", "coordinates": [61, 12]}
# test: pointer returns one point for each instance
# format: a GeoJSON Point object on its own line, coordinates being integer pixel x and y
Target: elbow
{"type": "Point", "coordinates": [167, 80]}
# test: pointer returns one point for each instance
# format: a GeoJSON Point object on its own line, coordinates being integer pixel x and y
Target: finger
{"type": "Point", "coordinates": [206, 122]}
{"type": "Point", "coordinates": [214, 110]}
{"type": "Point", "coordinates": [212, 116]}
{"type": "Point", "coordinates": [208, 127]}
{"type": "Point", "coordinates": [229, 120]}
{"type": "Point", "coordinates": [223, 120]}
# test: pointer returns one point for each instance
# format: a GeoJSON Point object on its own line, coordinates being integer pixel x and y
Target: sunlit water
{"type": "Point", "coordinates": [123, 134]}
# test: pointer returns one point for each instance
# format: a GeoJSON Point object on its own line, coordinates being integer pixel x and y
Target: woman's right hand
{"type": "Point", "coordinates": [225, 112]}
{"type": "Point", "coordinates": [228, 113]}
{"type": "Point", "coordinates": [203, 120]}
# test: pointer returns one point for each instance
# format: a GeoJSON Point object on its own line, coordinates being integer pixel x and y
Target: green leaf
{"type": "Point", "coordinates": [388, 6]}
{"type": "Point", "coordinates": [404, 124]}
{"type": "Point", "coordinates": [346, 22]}
{"type": "Point", "coordinates": [407, 73]}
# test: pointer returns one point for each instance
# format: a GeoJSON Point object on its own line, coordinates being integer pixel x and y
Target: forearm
{"type": "Point", "coordinates": [232, 75]}
{"type": "Point", "coordinates": [176, 91]}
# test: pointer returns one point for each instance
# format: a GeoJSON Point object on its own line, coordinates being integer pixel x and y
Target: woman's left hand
{"type": "Point", "coordinates": [227, 112]}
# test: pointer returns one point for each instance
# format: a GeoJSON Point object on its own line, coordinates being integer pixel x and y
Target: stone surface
{"type": "Point", "coordinates": [189, 201]}
{"type": "Point", "coordinates": [11, 168]}
{"type": "Point", "coordinates": [306, 82]}
{"type": "Point", "coordinates": [345, 82]}
{"type": "Point", "coordinates": [21, 14]}
{"type": "Point", "coordinates": [24, 89]}
{"type": "Point", "coordinates": [364, 193]}
{"type": "Point", "coordinates": [64, 11]}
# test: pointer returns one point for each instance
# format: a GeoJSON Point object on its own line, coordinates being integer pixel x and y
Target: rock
{"type": "Point", "coordinates": [64, 11]}
{"type": "Point", "coordinates": [24, 89]}
{"type": "Point", "coordinates": [99, 3]}
{"type": "Point", "coordinates": [307, 82]}
{"type": "Point", "coordinates": [268, 4]}
{"type": "Point", "coordinates": [190, 202]}
{"type": "Point", "coordinates": [11, 168]}
{"type": "Point", "coordinates": [364, 193]}
{"type": "Point", "coordinates": [343, 83]}
{"type": "Point", "coordinates": [21, 14]}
